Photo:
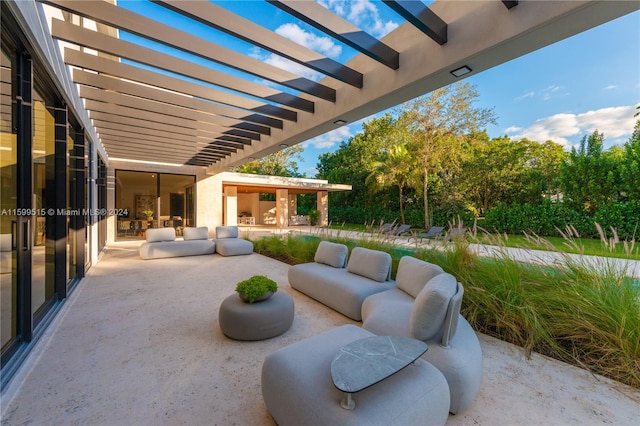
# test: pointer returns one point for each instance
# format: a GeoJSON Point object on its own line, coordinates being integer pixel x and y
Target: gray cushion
{"type": "Point", "coordinates": [335, 287]}
{"type": "Point", "coordinates": [199, 233]}
{"type": "Point", "coordinates": [430, 307]}
{"type": "Point", "coordinates": [160, 234]}
{"type": "Point", "coordinates": [226, 232]}
{"type": "Point", "coordinates": [331, 254]}
{"type": "Point", "coordinates": [388, 313]}
{"type": "Point", "coordinates": [233, 246]}
{"type": "Point", "coordinates": [372, 264]}
{"type": "Point", "coordinates": [414, 273]}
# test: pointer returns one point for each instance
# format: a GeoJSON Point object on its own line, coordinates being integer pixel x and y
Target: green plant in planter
{"type": "Point", "coordinates": [314, 215]}
{"type": "Point", "coordinates": [256, 287]}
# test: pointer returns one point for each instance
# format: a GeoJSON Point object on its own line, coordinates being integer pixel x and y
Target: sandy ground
{"type": "Point", "coordinates": [138, 343]}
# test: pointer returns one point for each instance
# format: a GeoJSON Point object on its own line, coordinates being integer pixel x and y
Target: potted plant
{"type": "Point", "coordinates": [148, 214]}
{"type": "Point", "coordinates": [314, 215]}
{"type": "Point", "coordinates": [256, 288]}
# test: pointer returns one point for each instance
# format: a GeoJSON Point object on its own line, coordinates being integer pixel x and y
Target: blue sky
{"type": "Point", "coordinates": [561, 92]}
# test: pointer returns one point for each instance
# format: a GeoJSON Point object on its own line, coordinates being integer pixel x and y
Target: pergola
{"type": "Point", "coordinates": [151, 105]}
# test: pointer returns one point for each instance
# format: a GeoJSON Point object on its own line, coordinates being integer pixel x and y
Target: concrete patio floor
{"type": "Point", "coordinates": [138, 343]}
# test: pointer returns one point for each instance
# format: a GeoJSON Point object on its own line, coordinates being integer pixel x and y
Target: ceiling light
{"type": "Point", "coordinates": [283, 145]}
{"type": "Point", "coordinates": [459, 72]}
{"type": "Point", "coordinates": [339, 122]}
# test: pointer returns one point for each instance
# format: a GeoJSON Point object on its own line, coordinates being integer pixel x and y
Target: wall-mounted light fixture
{"type": "Point", "coordinates": [339, 122]}
{"type": "Point", "coordinates": [283, 145]}
{"type": "Point", "coordinates": [459, 72]}
{"type": "Point", "coordinates": [251, 158]}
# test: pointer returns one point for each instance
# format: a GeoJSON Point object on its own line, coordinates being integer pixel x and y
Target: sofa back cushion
{"type": "Point", "coordinates": [430, 307]}
{"type": "Point", "coordinates": [226, 232]}
{"type": "Point", "coordinates": [154, 235]}
{"type": "Point", "coordinates": [199, 233]}
{"type": "Point", "coordinates": [413, 274]}
{"type": "Point", "coordinates": [331, 254]}
{"type": "Point", "coordinates": [372, 264]}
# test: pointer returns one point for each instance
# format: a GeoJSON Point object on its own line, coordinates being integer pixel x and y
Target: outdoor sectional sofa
{"type": "Point", "coordinates": [423, 303]}
{"type": "Point", "coordinates": [339, 284]}
{"type": "Point", "coordinates": [161, 243]}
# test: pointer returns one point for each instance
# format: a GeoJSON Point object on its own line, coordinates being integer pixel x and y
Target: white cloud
{"type": "Point", "coordinates": [615, 122]}
{"type": "Point", "coordinates": [526, 95]}
{"type": "Point", "coordinates": [547, 93]}
{"type": "Point", "coordinates": [362, 13]}
{"type": "Point", "coordinates": [330, 139]}
{"type": "Point", "coordinates": [324, 45]}
{"type": "Point", "coordinates": [610, 87]}
{"type": "Point", "coordinates": [293, 32]}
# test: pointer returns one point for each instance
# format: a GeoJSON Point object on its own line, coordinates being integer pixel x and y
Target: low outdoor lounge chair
{"type": "Point", "coordinates": [402, 229]}
{"type": "Point", "coordinates": [433, 233]}
{"type": "Point", "coordinates": [385, 228]}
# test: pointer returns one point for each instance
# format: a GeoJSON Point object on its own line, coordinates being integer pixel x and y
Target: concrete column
{"type": "Point", "coordinates": [255, 207]}
{"type": "Point", "coordinates": [293, 204]}
{"type": "Point", "coordinates": [282, 208]}
{"type": "Point", "coordinates": [323, 208]}
{"type": "Point", "coordinates": [231, 206]}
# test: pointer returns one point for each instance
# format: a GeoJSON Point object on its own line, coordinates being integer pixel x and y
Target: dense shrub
{"type": "Point", "coordinates": [547, 218]}
{"type": "Point", "coordinates": [623, 217]}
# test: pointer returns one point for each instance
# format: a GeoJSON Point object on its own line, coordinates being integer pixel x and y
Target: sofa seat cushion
{"type": "Point", "coordinates": [199, 233]}
{"type": "Point", "coordinates": [368, 263]}
{"type": "Point", "coordinates": [331, 254]}
{"type": "Point", "coordinates": [233, 246]}
{"type": "Point", "coordinates": [335, 287]}
{"type": "Point", "coordinates": [388, 313]}
{"type": "Point", "coordinates": [413, 274]}
{"type": "Point", "coordinates": [430, 307]}
{"type": "Point", "coordinates": [164, 249]}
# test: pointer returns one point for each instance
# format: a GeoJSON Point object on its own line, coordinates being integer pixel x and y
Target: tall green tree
{"type": "Point", "coordinates": [393, 169]}
{"type": "Point", "coordinates": [354, 160]}
{"type": "Point", "coordinates": [630, 166]}
{"type": "Point", "coordinates": [439, 122]}
{"type": "Point", "coordinates": [588, 177]}
{"type": "Point", "coordinates": [279, 163]}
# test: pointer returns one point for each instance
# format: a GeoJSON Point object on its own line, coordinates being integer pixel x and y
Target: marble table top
{"type": "Point", "coordinates": [365, 362]}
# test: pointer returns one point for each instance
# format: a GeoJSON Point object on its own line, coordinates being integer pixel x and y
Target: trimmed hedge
{"type": "Point", "coordinates": [547, 218]}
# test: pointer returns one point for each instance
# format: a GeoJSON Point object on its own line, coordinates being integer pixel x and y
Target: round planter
{"type": "Point", "coordinates": [260, 299]}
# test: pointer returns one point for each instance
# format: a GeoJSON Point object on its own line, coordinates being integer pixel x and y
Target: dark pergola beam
{"type": "Point", "coordinates": [142, 55]}
{"type": "Point", "coordinates": [221, 19]}
{"type": "Point", "coordinates": [120, 18]}
{"type": "Point", "coordinates": [340, 29]}
{"type": "Point", "coordinates": [421, 17]}
{"type": "Point", "coordinates": [151, 93]}
{"type": "Point", "coordinates": [510, 3]}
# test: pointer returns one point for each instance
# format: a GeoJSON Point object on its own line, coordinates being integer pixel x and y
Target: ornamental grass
{"type": "Point", "coordinates": [583, 313]}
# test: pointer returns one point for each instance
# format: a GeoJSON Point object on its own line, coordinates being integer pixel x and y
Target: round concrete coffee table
{"type": "Point", "coordinates": [240, 320]}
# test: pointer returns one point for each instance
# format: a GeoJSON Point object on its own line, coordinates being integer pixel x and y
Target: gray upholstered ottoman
{"type": "Point", "coordinates": [298, 390]}
{"type": "Point", "coordinates": [240, 320]}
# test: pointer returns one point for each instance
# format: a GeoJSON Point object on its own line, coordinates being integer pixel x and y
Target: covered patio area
{"type": "Point", "coordinates": [139, 343]}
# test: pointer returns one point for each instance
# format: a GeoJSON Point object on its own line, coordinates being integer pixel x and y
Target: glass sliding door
{"type": "Point", "coordinates": [43, 222]}
{"type": "Point", "coordinates": [8, 205]}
